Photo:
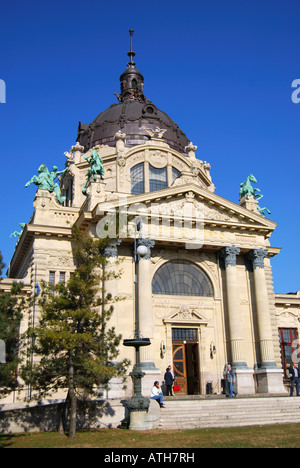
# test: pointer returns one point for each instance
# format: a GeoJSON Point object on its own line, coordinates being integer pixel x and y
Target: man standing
{"type": "Point", "coordinates": [294, 371]}
{"type": "Point", "coordinates": [169, 380]}
{"type": "Point", "coordinates": [230, 380]}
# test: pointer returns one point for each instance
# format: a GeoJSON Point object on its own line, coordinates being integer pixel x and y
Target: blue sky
{"type": "Point", "coordinates": [222, 70]}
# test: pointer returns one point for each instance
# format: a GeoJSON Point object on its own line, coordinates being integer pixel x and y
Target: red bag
{"type": "Point", "coordinates": [176, 388]}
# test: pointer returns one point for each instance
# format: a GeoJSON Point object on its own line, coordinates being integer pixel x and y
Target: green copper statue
{"type": "Point", "coordinates": [262, 210]}
{"type": "Point", "coordinates": [18, 233]}
{"type": "Point", "coordinates": [247, 190]}
{"type": "Point", "coordinates": [46, 181]}
{"type": "Point", "coordinates": [95, 169]}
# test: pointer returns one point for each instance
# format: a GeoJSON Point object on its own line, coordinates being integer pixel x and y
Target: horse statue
{"type": "Point", "coordinates": [262, 210]}
{"type": "Point", "coordinates": [246, 189]}
{"type": "Point", "coordinates": [18, 233]}
{"type": "Point", "coordinates": [95, 169]}
{"type": "Point", "coordinates": [46, 181]}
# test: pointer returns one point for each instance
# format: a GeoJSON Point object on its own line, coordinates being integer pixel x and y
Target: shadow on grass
{"type": "Point", "coordinates": [7, 440]}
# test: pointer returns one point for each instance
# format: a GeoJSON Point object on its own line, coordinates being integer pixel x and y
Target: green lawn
{"type": "Point", "coordinates": [279, 436]}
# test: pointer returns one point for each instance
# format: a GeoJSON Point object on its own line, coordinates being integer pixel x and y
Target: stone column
{"type": "Point", "coordinates": [245, 380]}
{"type": "Point", "coordinates": [146, 317]}
{"type": "Point", "coordinates": [145, 303]}
{"type": "Point", "coordinates": [234, 311]}
{"type": "Point", "coordinates": [263, 311]}
{"type": "Point", "coordinates": [269, 376]}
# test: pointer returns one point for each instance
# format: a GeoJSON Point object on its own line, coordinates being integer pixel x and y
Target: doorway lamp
{"type": "Point", "coordinates": [212, 350]}
{"type": "Point", "coordinates": [162, 349]}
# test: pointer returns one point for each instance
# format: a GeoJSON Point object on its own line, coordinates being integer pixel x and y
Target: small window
{"type": "Point", "coordinates": [158, 178]}
{"type": "Point", "coordinates": [52, 277]}
{"type": "Point", "coordinates": [137, 179]}
{"type": "Point", "coordinates": [134, 83]}
{"type": "Point", "coordinates": [62, 277]}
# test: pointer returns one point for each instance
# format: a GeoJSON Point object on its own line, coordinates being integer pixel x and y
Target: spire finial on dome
{"type": "Point", "coordinates": [132, 81]}
{"type": "Point", "coordinates": [131, 54]}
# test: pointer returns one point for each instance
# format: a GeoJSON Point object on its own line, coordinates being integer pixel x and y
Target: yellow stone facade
{"type": "Point", "coordinates": [205, 289]}
{"type": "Point", "coordinates": [188, 223]}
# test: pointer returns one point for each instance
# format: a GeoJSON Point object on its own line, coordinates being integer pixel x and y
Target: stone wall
{"type": "Point", "coordinates": [92, 414]}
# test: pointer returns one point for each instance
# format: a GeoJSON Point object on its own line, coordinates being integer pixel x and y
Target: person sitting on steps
{"type": "Point", "coordinates": [157, 394]}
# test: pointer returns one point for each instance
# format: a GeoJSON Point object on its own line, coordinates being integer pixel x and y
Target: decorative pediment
{"type": "Point", "coordinates": [196, 201]}
{"type": "Point", "coordinates": [186, 316]}
{"type": "Point", "coordinates": [192, 215]}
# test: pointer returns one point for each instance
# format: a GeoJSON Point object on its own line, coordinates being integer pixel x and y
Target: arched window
{"type": "Point", "coordinates": [134, 83]}
{"type": "Point", "coordinates": [175, 173]}
{"type": "Point", "coordinates": [157, 178]}
{"type": "Point", "coordinates": [181, 278]}
{"type": "Point", "coordinates": [137, 179]}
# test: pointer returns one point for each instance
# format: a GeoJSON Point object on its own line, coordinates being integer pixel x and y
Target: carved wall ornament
{"type": "Point", "coordinates": [112, 249]}
{"type": "Point", "coordinates": [156, 133]}
{"type": "Point", "coordinates": [190, 197]}
{"type": "Point", "coordinates": [62, 261]}
{"type": "Point", "coordinates": [190, 149]}
{"type": "Point", "coordinates": [158, 158]}
{"type": "Point", "coordinates": [121, 160]}
{"type": "Point", "coordinates": [188, 315]}
{"type": "Point", "coordinates": [136, 158]}
{"type": "Point", "coordinates": [188, 178]}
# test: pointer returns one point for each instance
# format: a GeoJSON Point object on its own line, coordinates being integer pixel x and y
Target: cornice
{"type": "Point", "coordinates": [31, 232]}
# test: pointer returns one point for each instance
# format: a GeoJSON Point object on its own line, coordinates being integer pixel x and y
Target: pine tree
{"type": "Point", "coordinates": [76, 348]}
{"type": "Point", "coordinates": [2, 265]}
{"type": "Point", "coordinates": [12, 303]}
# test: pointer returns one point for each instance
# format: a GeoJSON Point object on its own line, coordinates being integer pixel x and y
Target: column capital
{"type": "Point", "coordinates": [257, 257]}
{"type": "Point", "coordinates": [229, 254]}
{"type": "Point", "coordinates": [149, 243]}
{"type": "Point", "coordinates": [112, 249]}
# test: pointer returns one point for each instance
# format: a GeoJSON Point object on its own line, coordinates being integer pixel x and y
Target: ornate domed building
{"type": "Point", "coordinates": [205, 291]}
{"type": "Point", "coordinates": [134, 116]}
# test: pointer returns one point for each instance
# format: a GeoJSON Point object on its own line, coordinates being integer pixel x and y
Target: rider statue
{"type": "Point", "coordinates": [46, 181]}
{"type": "Point", "coordinates": [95, 169]}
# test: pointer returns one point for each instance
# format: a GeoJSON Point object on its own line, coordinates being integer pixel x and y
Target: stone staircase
{"type": "Point", "coordinates": [193, 413]}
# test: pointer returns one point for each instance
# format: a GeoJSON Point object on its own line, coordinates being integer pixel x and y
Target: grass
{"type": "Point", "coordinates": [279, 436]}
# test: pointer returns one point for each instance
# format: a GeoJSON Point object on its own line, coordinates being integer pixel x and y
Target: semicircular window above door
{"type": "Point", "coordinates": [181, 278]}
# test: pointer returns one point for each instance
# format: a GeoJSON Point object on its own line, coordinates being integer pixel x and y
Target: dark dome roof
{"type": "Point", "coordinates": [133, 118]}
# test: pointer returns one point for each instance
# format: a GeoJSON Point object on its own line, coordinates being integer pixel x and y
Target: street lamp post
{"type": "Point", "coordinates": [137, 402]}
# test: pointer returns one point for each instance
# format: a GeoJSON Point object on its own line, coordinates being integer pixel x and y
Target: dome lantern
{"type": "Point", "coordinates": [132, 81]}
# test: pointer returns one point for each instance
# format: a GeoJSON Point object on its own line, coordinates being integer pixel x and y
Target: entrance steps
{"type": "Point", "coordinates": [203, 413]}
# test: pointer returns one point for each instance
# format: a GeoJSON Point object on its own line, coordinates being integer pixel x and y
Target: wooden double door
{"type": "Point", "coordinates": [186, 361]}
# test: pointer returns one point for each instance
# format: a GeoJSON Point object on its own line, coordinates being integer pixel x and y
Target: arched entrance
{"type": "Point", "coordinates": [186, 360]}
{"type": "Point", "coordinates": [186, 282]}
